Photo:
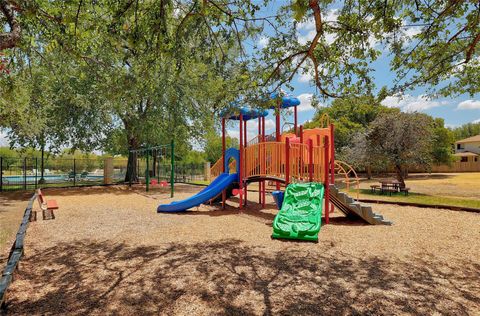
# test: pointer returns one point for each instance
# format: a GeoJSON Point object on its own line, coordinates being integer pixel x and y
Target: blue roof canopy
{"type": "Point", "coordinates": [233, 113]}
{"type": "Point", "coordinates": [287, 101]}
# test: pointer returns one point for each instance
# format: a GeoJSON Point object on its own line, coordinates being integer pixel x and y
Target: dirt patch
{"type": "Point", "coordinates": [109, 252]}
{"type": "Point", "coordinates": [12, 208]}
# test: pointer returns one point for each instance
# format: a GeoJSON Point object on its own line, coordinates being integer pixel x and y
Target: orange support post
{"type": "Point", "coordinates": [287, 161]}
{"type": "Point", "coordinates": [310, 159]}
{"type": "Point", "coordinates": [326, 182]}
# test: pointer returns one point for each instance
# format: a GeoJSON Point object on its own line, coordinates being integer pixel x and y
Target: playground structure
{"type": "Point", "coordinates": [293, 157]}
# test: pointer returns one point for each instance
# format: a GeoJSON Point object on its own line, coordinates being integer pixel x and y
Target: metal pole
{"type": "Point", "coordinates": [245, 160]}
{"type": "Point", "coordinates": [277, 133]}
{"type": "Point", "coordinates": [147, 175]}
{"type": "Point", "coordinates": [310, 159]}
{"type": "Point", "coordinates": [74, 172]}
{"type": "Point", "coordinates": [295, 120]}
{"type": "Point", "coordinates": [25, 173]}
{"type": "Point", "coordinates": [287, 161]}
{"type": "Point", "coordinates": [224, 192]}
{"type": "Point", "coordinates": [241, 162]}
{"type": "Point", "coordinates": [1, 174]}
{"type": "Point", "coordinates": [332, 159]}
{"type": "Point", "coordinates": [259, 136]}
{"type": "Point", "coordinates": [36, 171]}
{"type": "Point", "coordinates": [172, 171]}
{"type": "Point", "coordinates": [326, 182]}
{"type": "Point", "coordinates": [263, 161]}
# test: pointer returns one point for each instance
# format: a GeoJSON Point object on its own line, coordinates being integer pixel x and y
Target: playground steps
{"type": "Point", "coordinates": [352, 208]}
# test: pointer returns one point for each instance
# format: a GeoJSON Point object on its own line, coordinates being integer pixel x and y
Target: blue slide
{"type": "Point", "coordinates": [212, 190]}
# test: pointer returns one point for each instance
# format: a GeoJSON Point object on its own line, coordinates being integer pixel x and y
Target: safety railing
{"type": "Point", "coordinates": [217, 168]}
{"type": "Point", "coordinates": [297, 162]}
{"type": "Point", "coordinates": [348, 175]}
{"type": "Point", "coordinates": [265, 159]}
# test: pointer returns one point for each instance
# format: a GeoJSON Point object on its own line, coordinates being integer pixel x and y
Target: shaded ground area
{"type": "Point", "coordinates": [12, 208]}
{"type": "Point", "coordinates": [108, 252]}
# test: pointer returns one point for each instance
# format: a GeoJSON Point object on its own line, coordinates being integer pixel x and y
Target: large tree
{"type": "Point", "coordinates": [398, 140]}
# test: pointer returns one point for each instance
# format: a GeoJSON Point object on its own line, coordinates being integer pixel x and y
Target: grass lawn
{"type": "Point", "coordinates": [419, 198]}
{"type": "Point", "coordinates": [454, 189]}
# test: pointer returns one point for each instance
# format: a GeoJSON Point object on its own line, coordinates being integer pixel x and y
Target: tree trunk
{"type": "Point", "coordinates": [400, 178]}
{"type": "Point", "coordinates": [369, 172]}
{"type": "Point", "coordinates": [42, 166]}
{"type": "Point", "coordinates": [131, 175]}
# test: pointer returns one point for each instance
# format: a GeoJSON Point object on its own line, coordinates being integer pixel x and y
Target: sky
{"type": "Point", "coordinates": [455, 111]}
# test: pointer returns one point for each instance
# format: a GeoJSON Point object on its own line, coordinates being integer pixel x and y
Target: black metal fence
{"type": "Point", "coordinates": [182, 172]}
{"type": "Point", "coordinates": [26, 173]}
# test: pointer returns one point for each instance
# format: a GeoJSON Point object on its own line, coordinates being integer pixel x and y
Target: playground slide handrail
{"type": "Point", "coordinates": [343, 168]}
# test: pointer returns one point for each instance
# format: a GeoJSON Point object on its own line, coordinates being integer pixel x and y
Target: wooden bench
{"type": "Point", "coordinates": [47, 207]}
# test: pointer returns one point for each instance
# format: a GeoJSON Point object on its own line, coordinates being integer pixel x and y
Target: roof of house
{"type": "Point", "coordinates": [470, 139]}
{"type": "Point", "coordinates": [466, 154]}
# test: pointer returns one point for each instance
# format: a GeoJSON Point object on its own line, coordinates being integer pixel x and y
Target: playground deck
{"type": "Point", "coordinates": [109, 252]}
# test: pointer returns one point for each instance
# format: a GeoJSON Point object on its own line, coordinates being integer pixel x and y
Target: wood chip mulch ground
{"type": "Point", "coordinates": [109, 252]}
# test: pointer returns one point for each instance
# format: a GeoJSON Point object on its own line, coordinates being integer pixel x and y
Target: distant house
{"type": "Point", "coordinates": [468, 149]}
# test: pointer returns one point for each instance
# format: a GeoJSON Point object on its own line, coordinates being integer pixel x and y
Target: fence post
{"type": "Point", "coordinates": [172, 172]}
{"type": "Point", "coordinates": [36, 171]}
{"type": "Point", "coordinates": [25, 173]}
{"type": "Point", "coordinates": [1, 174]}
{"type": "Point", "coordinates": [147, 175]}
{"type": "Point", "coordinates": [74, 172]}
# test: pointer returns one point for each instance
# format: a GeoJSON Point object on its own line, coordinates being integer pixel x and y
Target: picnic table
{"type": "Point", "coordinates": [389, 186]}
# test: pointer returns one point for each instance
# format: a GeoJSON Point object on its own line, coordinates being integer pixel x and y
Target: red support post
{"type": "Point", "coordinates": [301, 134]}
{"type": "Point", "coordinates": [258, 138]}
{"type": "Point", "coordinates": [263, 161]}
{"type": "Point", "coordinates": [310, 159]}
{"type": "Point", "coordinates": [295, 119]}
{"type": "Point", "coordinates": [326, 182]}
{"type": "Point", "coordinates": [224, 192]}
{"type": "Point", "coordinates": [277, 132]}
{"type": "Point", "coordinates": [245, 164]}
{"type": "Point", "coordinates": [332, 160]}
{"type": "Point", "coordinates": [240, 184]}
{"type": "Point", "coordinates": [287, 161]}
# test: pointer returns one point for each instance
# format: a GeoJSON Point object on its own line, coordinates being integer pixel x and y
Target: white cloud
{"type": "Point", "coordinates": [236, 134]}
{"type": "Point", "coordinates": [263, 41]}
{"type": "Point", "coordinates": [409, 103]}
{"type": "Point", "coordinates": [305, 102]}
{"type": "Point", "coordinates": [476, 121]}
{"type": "Point", "coordinates": [252, 126]}
{"type": "Point", "coordinates": [305, 76]}
{"type": "Point", "coordinates": [469, 105]}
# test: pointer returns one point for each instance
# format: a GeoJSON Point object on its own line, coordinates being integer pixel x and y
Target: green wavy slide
{"type": "Point", "coordinates": [301, 213]}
